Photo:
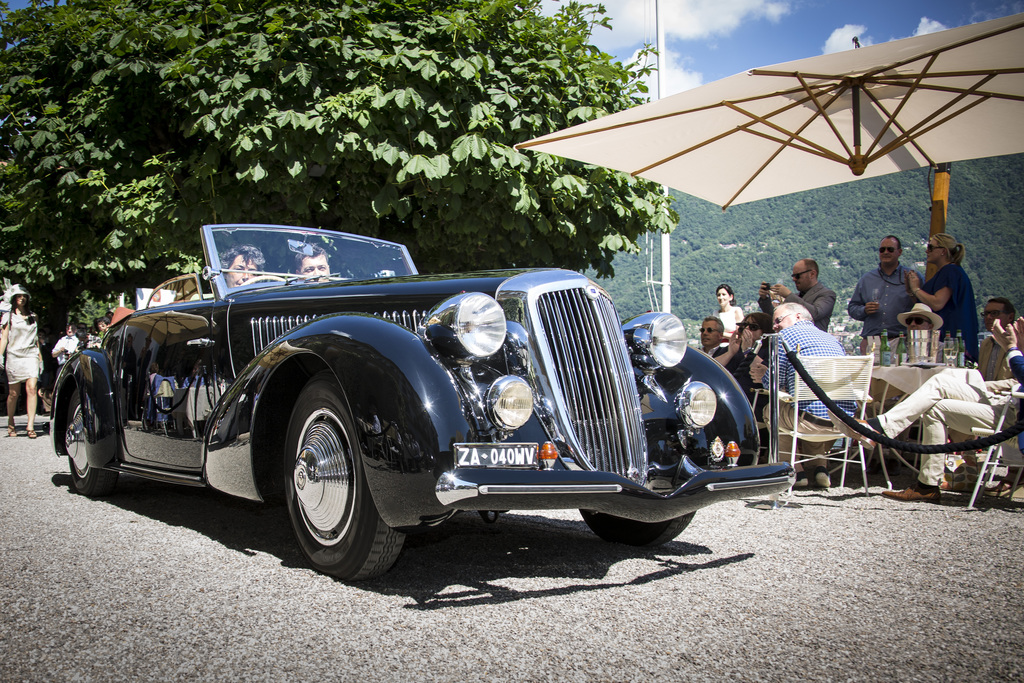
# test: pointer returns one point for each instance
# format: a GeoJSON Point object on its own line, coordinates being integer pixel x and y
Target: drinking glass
{"type": "Point", "coordinates": [949, 351]}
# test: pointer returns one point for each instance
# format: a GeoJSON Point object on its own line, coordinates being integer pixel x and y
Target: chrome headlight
{"type": "Point", "coordinates": [696, 404]}
{"type": "Point", "coordinates": [467, 325]}
{"type": "Point", "coordinates": [668, 340]}
{"type": "Point", "coordinates": [510, 402]}
{"type": "Point", "coordinates": [658, 340]}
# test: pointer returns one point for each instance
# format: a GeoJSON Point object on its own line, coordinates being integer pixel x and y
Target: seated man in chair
{"type": "Point", "coordinates": [796, 326]}
{"type": "Point", "coordinates": [946, 402]}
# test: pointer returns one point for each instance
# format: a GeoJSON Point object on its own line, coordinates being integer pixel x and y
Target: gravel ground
{"type": "Point", "coordinates": [169, 583]}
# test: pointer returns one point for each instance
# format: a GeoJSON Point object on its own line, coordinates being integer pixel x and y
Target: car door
{"type": "Point", "coordinates": [169, 383]}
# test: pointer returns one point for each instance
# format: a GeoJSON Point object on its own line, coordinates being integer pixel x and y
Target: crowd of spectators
{"type": "Point", "coordinates": [891, 300]}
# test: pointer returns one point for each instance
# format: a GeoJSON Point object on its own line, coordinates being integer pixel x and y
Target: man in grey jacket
{"type": "Point", "coordinates": [811, 294]}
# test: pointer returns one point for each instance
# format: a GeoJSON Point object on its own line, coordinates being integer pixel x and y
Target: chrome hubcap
{"type": "Point", "coordinates": [74, 441]}
{"type": "Point", "coordinates": [322, 477]}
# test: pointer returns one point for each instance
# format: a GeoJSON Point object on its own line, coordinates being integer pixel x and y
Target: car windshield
{"type": "Point", "coordinates": [264, 255]}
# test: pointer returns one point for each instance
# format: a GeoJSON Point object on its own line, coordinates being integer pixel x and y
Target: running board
{"type": "Point", "coordinates": [159, 475]}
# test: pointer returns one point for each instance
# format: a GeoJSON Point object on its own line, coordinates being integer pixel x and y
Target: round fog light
{"type": "Point", "coordinates": [510, 402]}
{"type": "Point", "coordinates": [696, 404]}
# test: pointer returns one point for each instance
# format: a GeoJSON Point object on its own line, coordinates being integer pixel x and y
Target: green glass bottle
{"type": "Point", "coordinates": [901, 351]}
{"type": "Point", "coordinates": [886, 356]}
{"type": "Point", "coordinates": [960, 350]}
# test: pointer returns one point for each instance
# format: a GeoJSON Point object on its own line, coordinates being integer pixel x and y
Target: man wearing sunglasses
{"type": "Point", "coordinates": [948, 404]}
{"type": "Point", "coordinates": [712, 332]}
{"type": "Point", "coordinates": [991, 356]}
{"type": "Point", "coordinates": [881, 294]}
{"type": "Point", "coordinates": [811, 294]}
{"type": "Point", "coordinates": [793, 323]}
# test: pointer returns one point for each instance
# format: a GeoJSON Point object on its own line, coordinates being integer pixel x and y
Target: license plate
{"type": "Point", "coordinates": [496, 454]}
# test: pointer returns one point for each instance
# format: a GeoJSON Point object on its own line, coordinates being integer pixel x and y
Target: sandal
{"type": "Point", "coordinates": [11, 431]}
{"type": "Point", "coordinates": [31, 433]}
{"type": "Point", "coordinates": [999, 489]}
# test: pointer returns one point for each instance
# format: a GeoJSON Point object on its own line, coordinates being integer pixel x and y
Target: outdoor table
{"type": "Point", "coordinates": [904, 380]}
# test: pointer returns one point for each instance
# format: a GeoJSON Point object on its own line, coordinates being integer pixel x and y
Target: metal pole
{"type": "Point", "coordinates": [666, 242]}
{"type": "Point", "coordinates": [774, 341]}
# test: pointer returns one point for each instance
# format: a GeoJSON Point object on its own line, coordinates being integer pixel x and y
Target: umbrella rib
{"type": "Point", "coordinates": [924, 125]}
{"type": "Point", "coordinates": [909, 60]}
{"type": "Point", "coordinates": [869, 156]}
{"type": "Point", "coordinates": [821, 151]}
{"type": "Point", "coordinates": [912, 134]}
{"type": "Point", "coordinates": [783, 144]}
{"type": "Point", "coordinates": [823, 111]}
{"type": "Point", "coordinates": [724, 134]}
{"type": "Point", "coordinates": [650, 119]}
{"type": "Point", "coordinates": [891, 118]}
{"type": "Point", "coordinates": [951, 89]}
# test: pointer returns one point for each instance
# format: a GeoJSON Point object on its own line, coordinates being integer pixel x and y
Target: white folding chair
{"type": "Point", "coordinates": [843, 378]}
{"type": "Point", "coordinates": [1005, 454]}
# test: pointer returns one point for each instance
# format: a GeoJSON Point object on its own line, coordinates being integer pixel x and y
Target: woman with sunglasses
{"type": "Point", "coordinates": [949, 292]}
{"type": "Point", "coordinates": [739, 354]}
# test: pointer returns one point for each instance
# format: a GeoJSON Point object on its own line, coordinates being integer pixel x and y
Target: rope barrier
{"type": "Point", "coordinates": [877, 437]}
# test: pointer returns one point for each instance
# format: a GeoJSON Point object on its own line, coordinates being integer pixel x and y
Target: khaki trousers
{"type": "Point", "coordinates": [947, 402]}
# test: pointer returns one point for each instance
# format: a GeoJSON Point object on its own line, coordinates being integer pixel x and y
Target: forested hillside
{"type": "Point", "coordinates": [840, 227]}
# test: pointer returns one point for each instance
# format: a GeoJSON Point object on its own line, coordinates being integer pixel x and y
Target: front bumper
{"type": "Point", "coordinates": [494, 489]}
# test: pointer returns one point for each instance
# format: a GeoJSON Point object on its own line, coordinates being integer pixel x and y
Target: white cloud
{"type": "Point", "coordinates": [926, 25]}
{"type": "Point", "coordinates": [677, 77]}
{"type": "Point", "coordinates": [633, 21]}
{"type": "Point", "coordinates": [842, 38]}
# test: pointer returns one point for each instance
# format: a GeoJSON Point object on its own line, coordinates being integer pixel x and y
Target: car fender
{"type": "Point", "coordinates": [406, 406]}
{"type": "Point", "coordinates": [89, 372]}
{"type": "Point", "coordinates": [733, 415]}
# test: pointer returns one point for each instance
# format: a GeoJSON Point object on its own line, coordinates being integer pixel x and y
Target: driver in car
{"type": "Point", "coordinates": [242, 261]}
{"type": "Point", "coordinates": [314, 266]}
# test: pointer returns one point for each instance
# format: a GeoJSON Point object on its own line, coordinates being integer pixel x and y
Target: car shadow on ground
{"type": "Point", "coordinates": [525, 556]}
{"type": "Point", "coordinates": [463, 562]}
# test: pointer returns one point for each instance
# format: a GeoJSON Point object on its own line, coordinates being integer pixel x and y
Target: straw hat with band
{"type": "Point", "coordinates": [924, 311]}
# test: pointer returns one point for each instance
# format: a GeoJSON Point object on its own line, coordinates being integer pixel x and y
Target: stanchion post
{"type": "Point", "coordinates": [773, 397]}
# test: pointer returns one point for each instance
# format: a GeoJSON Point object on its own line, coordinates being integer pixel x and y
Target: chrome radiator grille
{"type": "Point", "coordinates": [410, 320]}
{"type": "Point", "coordinates": [268, 328]}
{"type": "Point", "coordinates": [593, 378]}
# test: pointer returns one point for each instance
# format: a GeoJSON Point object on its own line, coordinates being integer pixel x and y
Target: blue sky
{"type": "Point", "coordinates": [712, 39]}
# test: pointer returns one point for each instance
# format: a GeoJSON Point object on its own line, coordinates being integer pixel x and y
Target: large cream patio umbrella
{"type": "Point", "coordinates": [912, 103]}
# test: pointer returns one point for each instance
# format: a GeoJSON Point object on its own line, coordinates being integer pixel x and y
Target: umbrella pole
{"type": "Point", "coordinates": [940, 206]}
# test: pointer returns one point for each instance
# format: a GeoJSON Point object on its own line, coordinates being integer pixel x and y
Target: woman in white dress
{"type": "Point", "coordinates": [729, 313]}
{"type": "Point", "coordinates": [23, 360]}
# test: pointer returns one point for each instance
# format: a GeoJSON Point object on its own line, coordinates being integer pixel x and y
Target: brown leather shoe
{"type": "Point", "coordinates": [913, 494]}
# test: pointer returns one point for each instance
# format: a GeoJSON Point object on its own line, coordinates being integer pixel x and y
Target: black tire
{"type": "Point", "coordinates": [335, 520]}
{"type": "Point", "coordinates": [87, 480]}
{"type": "Point", "coordinates": [629, 532]}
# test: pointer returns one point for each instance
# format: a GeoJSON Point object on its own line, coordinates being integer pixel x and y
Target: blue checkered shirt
{"type": "Point", "coordinates": [812, 342]}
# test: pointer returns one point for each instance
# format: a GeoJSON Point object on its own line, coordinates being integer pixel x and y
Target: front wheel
{"type": "Point", "coordinates": [335, 520]}
{"type": "Point", "coordinates": [630, 532]}
{"type": "Point", "coordinates": [87, 480]}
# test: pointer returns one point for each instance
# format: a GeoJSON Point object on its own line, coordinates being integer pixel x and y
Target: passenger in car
{"type": "Point", "coordinates": [239, 262]}
{"type": "Point", "coordinates": [313, 267]}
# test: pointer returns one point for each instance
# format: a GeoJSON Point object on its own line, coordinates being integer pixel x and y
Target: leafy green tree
{"type": "Point", "coordinates": [129, 123]}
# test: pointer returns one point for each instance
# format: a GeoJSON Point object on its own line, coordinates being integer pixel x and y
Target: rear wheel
{"type": "Point", "coordinates": [630, 532]}
{"type": "Point", "coordinates": [335, 520]}
{"type": "Point", "coordinates": [87, 480]}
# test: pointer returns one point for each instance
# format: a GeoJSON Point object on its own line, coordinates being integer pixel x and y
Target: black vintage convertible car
{"type": "Point", "coordinates": [320, 369]}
